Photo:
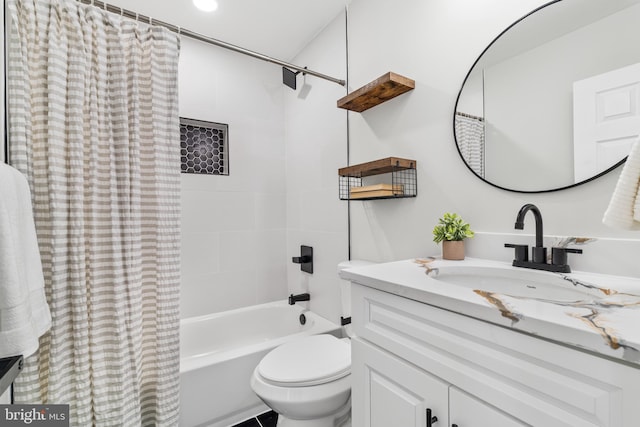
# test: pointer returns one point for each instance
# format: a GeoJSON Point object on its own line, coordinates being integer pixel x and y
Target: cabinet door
{"type": "Point", "coordinates": [467, 411]}
{"type": "Point", "coordinates": [388, 391]}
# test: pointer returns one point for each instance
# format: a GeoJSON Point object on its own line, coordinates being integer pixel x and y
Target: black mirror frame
{"type": "Point", "coordinates": [455, 108]}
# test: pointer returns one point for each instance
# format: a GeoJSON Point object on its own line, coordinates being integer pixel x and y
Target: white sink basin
{"type": "Point", "coordinates": [516, 282]}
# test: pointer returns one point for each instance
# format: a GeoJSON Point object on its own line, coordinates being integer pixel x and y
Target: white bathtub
{"type": "Point", "coordinates": [219, 352]}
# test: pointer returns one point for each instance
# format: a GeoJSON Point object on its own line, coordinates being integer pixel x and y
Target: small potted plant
{"type": "Point", "coordinates": [451, 230]}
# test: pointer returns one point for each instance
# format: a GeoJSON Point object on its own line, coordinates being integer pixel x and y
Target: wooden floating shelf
{"type": "Point", "coordinates": [401, 180]}
{"type": "Point", "coordinates": [378, 91]}
{"type": "Point", "coordinates": [377, 167]}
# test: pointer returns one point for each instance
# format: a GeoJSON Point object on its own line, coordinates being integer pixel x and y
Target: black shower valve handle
{"type": "Point", "coordinates": [305, 259]}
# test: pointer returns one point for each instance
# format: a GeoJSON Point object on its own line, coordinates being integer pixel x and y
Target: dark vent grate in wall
{"type": "Point", "coordinates": [204, 147]}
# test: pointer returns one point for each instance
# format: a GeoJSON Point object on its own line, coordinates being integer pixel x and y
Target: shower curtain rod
{"type": "Point", "coordinates": [206, 39]}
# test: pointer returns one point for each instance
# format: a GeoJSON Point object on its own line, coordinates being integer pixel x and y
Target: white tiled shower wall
{"type": "Point", "coordinates": [234, 227]}
{"type": "Point", "coordinates": [316, 147]}
{"type": "Point", "coordinates": [241, 231]}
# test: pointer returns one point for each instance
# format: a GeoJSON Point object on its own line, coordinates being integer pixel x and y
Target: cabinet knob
{"type": "Point", "coordinates": [431, 418]}
{"type": "Point", "coordinates": [454, 425]}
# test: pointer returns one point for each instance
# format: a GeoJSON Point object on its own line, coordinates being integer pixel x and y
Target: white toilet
{"type": "Point", "coordinates": [307, 381]}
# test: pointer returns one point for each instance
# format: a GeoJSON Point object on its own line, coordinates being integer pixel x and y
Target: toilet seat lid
{"type": "Point", "coordinates": [312, 360]}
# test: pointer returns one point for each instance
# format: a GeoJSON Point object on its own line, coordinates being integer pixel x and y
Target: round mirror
{"type": "Point", "coordinates": [554, 100]}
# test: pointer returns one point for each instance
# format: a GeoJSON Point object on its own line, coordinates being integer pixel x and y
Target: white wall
{"type": "Point", "coordinates": [435, 42]}
{"type": "Point", "coordinates": [233, 227]}
{"type": "Point", "coordinates": [316, 148]}
{"type": "Point", "coordinates": [472, 99]}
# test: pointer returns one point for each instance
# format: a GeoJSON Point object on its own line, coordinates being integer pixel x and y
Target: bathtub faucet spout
{"type": "Point", "coordinates": [300, 297]}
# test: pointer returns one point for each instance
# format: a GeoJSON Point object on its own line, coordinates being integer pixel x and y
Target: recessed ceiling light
{"type": "Point", "coordinates": [206, 5]}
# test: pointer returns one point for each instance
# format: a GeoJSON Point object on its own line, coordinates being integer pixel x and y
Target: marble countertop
{"type": "Point", "coordinates": [604, 318]}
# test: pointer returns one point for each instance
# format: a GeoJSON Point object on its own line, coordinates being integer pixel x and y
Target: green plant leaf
{"type": "Point", "coordinates": [451, 227]}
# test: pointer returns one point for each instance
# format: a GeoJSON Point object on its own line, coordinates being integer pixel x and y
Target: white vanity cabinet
{"type": "Point", "coordinates": [465, 410]}
{"type": "Point", "coordinates": [408, 357]}
{"type": "Point", "coordinates": [394, 392]}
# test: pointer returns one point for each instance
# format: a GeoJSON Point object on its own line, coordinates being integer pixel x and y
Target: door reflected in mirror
{"type": "Point", "coordinates": [554, 101]}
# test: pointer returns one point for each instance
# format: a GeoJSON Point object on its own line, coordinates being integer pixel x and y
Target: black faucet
{"type": "Point", "coordinates": [300, 297]}
{"type": "Point", "coordinates": [539, 252]}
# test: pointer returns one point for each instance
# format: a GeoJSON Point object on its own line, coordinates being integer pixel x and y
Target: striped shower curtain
{"type": "Point", "coordinates": [471, 143]}
{"type": "Point", "coordinates": [93, 124]}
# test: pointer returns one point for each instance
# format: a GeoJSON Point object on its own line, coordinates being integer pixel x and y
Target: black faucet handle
{"type": "Point", "coordinates": [522, 251]}
{"type": "Point", "coordinates": [559, 255]}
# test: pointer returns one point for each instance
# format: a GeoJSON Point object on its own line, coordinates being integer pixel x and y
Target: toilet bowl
{"type": "Point", "coordinates": [307, 381]}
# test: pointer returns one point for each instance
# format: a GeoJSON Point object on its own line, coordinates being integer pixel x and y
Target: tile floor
{"type": "Point", "coordinates": [268, 419]}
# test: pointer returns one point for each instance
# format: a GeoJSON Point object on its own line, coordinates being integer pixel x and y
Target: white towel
{"type": "Point", "coordinates": [24, 313]}
{"type": "Point", "coordinates": [624, 207]}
